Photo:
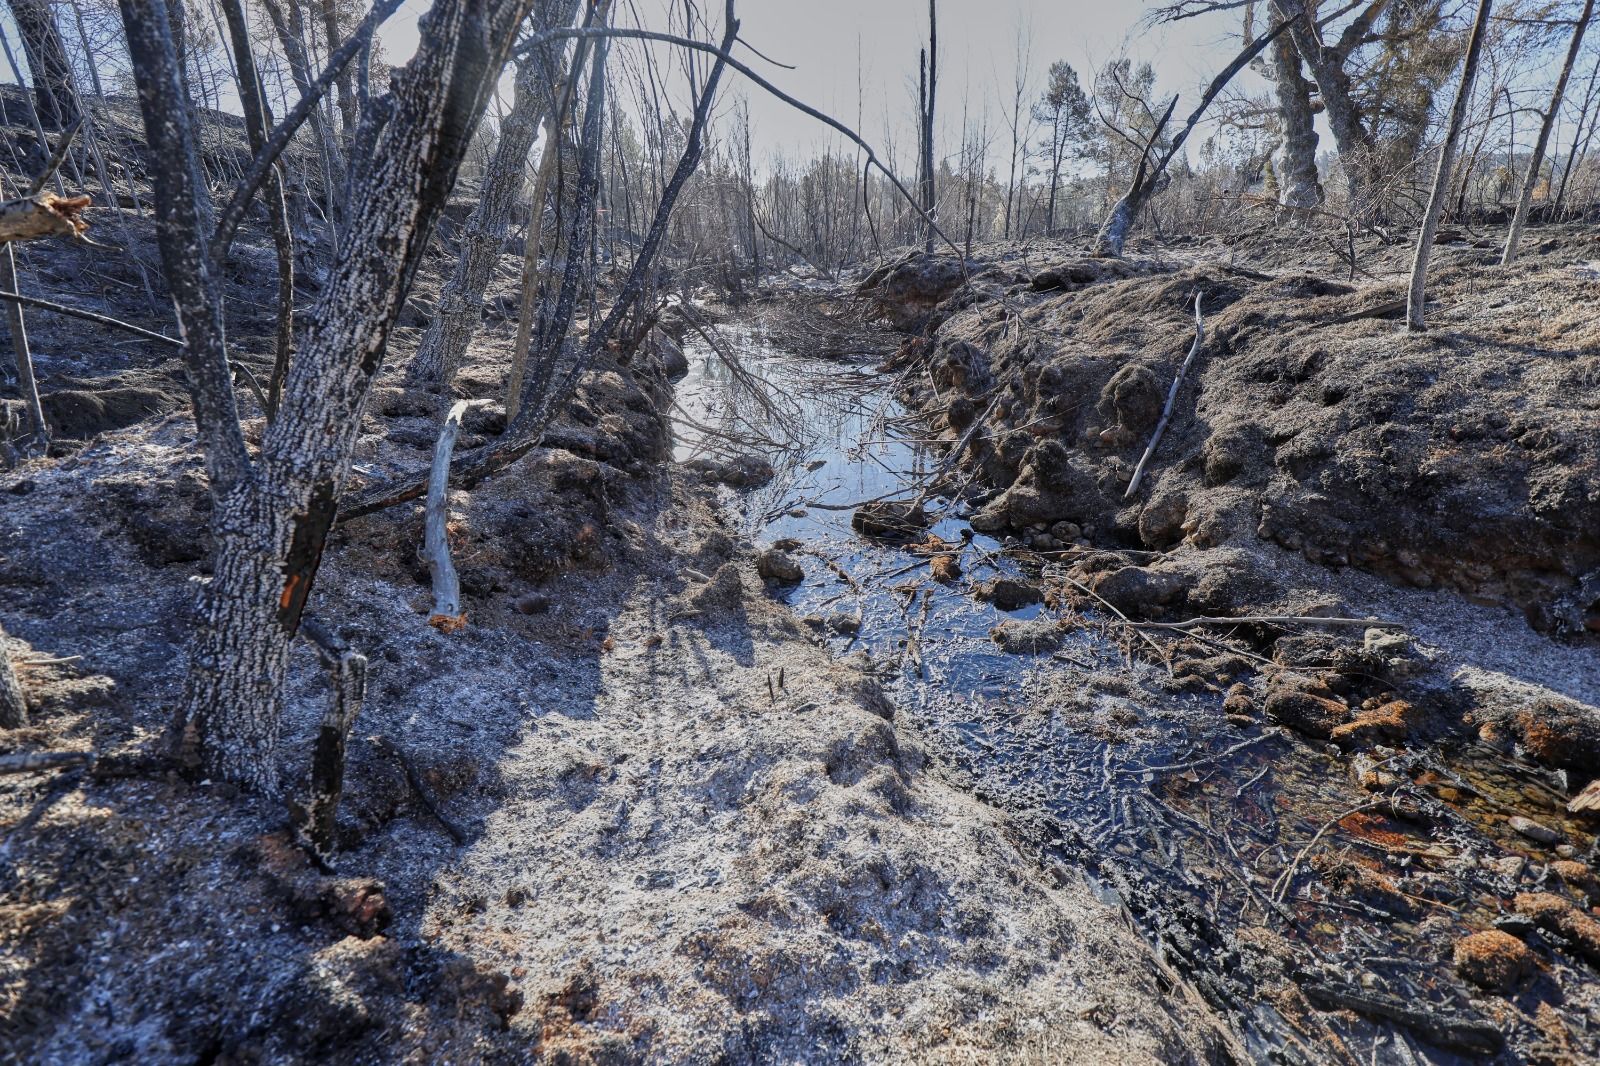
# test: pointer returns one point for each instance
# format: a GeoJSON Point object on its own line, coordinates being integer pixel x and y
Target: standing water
{"type": "Point", "coordinates": [1207, 831]}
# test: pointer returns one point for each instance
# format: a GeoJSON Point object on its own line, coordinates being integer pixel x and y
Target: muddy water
{"type": "Point", "coordinates": [1252, 858]}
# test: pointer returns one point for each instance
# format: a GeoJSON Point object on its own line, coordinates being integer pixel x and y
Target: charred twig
{"type": "Point", "coordinates": [1172, 397]}
{"type": "Point", "coordinates": [31, 761]}
{"type": "Point", "coordinates": [88, 316]}
{"type": "Point", "coordinates": [424, 796]}
{"type": "Point", "coordinates": [1456, 1032]}
{"type": "Point", "coordinates": [316, 821]}
{"type": "Point", "coordinates": [1272, 619]}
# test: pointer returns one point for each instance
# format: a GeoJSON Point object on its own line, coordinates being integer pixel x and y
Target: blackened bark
{"type": "Point", "coordinates": [180, 223]}
{"type": "Point", "coordinates": [48, 65]}
{"type": "Point", "coordinates": [347, 671]}
{"type": "Point", "coordinates": [271, 530]}
{"type": "Point", "coordinates": [461, 302]}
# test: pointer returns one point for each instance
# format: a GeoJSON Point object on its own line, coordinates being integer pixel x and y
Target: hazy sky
{"type": "Point", "coordinates": [831, 42]}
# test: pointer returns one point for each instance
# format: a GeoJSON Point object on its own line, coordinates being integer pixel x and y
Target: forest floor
{"type": "Point", "coordinates": [652, 818]}
{"type": "Point", "coordinates": [636, 810]}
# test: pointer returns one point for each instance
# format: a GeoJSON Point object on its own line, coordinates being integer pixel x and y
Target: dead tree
{"type": "Point", "coordinates": [1441, 175]}
{"type": "Point", "coordinates": [257, 121]}
{"type": "Point", "coordinates": [53, 94]}
{"type": "Point", "coordinates": [461, 302]}
{"type": "Point", "coordinates": [1329, 62]}
{"type": "Point", "coordinates": [1531, 179]}
{"type": "Point", "coordinates": [1151, 176]}
{"type": "Point", "coordinates": [272, 512]}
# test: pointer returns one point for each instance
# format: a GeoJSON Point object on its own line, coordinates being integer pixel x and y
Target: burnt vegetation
{"type": "Point", "coordinates": [456, 603]}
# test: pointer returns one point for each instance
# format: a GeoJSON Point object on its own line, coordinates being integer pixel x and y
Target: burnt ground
{"type": "Point", "coordinates": [1320, 462]}
{"type": "Point", "coordinates": [655, 821]}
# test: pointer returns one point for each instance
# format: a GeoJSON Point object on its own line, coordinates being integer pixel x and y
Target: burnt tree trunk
{"type": "Point", "coordinates": [48, 65]}
{"type": "Point", "coordinates": [1441, 176]}
{"type": "Point", "coordinates": [1297, 161]}
{"type": "Point", "coordinates": [461, 302]}
{"type": "Point", "coordinates": [271, 518]}
{"type": "Point", "coordinates": [1334, 85]}
{"type": "Point", "coordinates": [1525, 200]}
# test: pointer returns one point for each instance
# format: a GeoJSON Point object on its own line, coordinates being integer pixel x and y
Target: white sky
{"type": "Point", "coordinates": [830, 41]}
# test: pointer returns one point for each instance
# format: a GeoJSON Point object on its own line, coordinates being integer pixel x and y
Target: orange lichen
{"type": "Point", "coordinates": [1493, 959]}
{"type": "Point", "coordinates": [445, 623]}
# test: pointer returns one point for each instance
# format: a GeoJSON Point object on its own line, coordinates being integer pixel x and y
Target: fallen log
{"type": "Point", "coordinates": [1445, 1029]}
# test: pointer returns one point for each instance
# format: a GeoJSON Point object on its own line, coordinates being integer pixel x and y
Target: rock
{"type": "Point", "coordinates": [988, 521]}
{"type": "Point", "coordinates": [1562, 916]}
{"type": "Point", "coordinates": [845, 623]}
{"type": "Point", "coordinates": [1132, 399]}
{"type": "Point", "coordinates": [779, 566]}
{"type": "Point", "coordinates": [946, 568]}
{"type": "Point", "coordinates": [1533, 830]}
{"type": "Point", "coordinates": [1291, 701]}
{"type": "Point", "coordinates": [1018, 637]}
{"type": "Point", "coordinates": [889, 518]}
{"type": "Point", "coordinates": [740, 472]}
{"type": "Point", "coordinates": [1067, 532]}
{"type": "Point", "coordinates": [722, 593]}
{"type": "Point", "coordinates": [1493, 960]}
{"type": "Point", "coordinates": [1009, 594]}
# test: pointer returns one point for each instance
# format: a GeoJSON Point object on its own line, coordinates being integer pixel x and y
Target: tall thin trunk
{"type": "Point", "coordinates": [930, 195]}
{"type": "Point", "coordinates": [47, 61]}
{"type": "Point", "coordinates": [1578, 133]}
{"type": "Point", "coordinates": [461, 302]}
{"type": "Point", "coordinates": [258, 121]}
{"type": "Point", "coordinates": [1441, 177]}
{"type": "Point", "coordinates": [1525, 200]}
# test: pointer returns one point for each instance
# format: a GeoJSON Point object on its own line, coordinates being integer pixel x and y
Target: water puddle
{"type": "Point", "coordinates": [1255, 859]}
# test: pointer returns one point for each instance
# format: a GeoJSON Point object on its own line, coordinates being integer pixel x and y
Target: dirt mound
{"type": "Point", "coordinates": [1459, 459]}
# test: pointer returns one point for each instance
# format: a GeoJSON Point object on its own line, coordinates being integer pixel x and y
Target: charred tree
{"type": "Point", "coordinates": [1151, 176]}
{"type": "Point", "coordinates": [1441, 176]}
{"type": "Point", "coordinates": [271, 515]}
{"type": "Point", "coordinates": [461, 302]}
{"type": "Point", "coordinates": [1297, 159]}
{"type": "Point", "coordinates": [48, 65]}
{"type": "Point", "coordinates": [930, 193]}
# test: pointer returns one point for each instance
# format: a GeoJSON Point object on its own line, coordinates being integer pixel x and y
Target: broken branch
{"type": "Point", "coordinates": [1172, 396]}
